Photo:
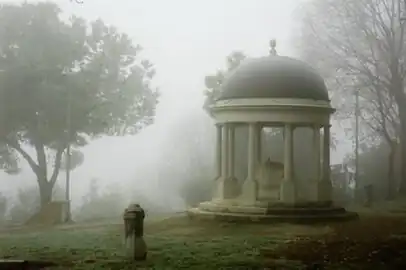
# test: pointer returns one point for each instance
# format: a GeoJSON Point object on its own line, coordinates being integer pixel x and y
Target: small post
{"type": "Point", "coordinates": [272, 50]}
{"type": "Point", "coordinates": [134, 233]}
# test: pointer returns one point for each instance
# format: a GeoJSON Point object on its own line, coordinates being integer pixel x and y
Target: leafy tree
{"type": "Point", "coordinates": [53, 68]}
{"type": "Point", "coordinates": [213, 82]}
{"type": "Point", "coordinates": [360, 46]}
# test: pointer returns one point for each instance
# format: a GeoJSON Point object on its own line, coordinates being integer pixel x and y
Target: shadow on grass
{"type": "Point", "coordinates": [369, 243]}
{"type": "Point", "coordinates": [180, 243]}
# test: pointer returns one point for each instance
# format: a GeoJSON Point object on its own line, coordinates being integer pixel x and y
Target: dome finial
{"type": "Point", "coordinates": [272, 50]}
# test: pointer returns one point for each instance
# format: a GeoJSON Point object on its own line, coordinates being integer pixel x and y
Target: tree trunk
{"type": "Point", "coordinates": [391, 173]}
{"type": "Point", "coordinates": [45, 191]}
{"type": "Point", "coordinates": [397, 90]}
{"type": "Point", "coordinates": [45, 186]}
{"type": "Point", "coordinates": [402, 148]}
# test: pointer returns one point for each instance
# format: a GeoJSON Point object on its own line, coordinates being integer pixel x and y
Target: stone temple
{"type": "Point", "coordinates": [272, 91]}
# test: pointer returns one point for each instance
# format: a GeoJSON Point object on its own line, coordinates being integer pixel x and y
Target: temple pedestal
{"type": "Point", "coordinates": [324, 191]}
{"type": "Point", "coordinates": [226, 188]}
{"type": "Point", "coordinates": [236, 210]}
{"type": "Point", "coordinates": [288, 192]}
{"type": "Point", "coordinates": [249, 192]}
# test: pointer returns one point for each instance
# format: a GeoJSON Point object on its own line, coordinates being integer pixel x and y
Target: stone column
{"type": "Point", "coordinates": [224, 151]}
{"type": "Point", "coordinates": [288, 188]}
{"type": "Point", "coordinates": [249, 189]}
{"type": "Point", "coordinates": [326, 153]}
{"type": "Point", "coordinates": [316, 152]}
{"type": "Point", "coordinates": [227, 185]}
{"type": "Point", "coordinates": [231, 151]}
{"type": "Point", "coordinates": [314, 184]}
{"type": "Point", "coordinates": [218, 150]}
{"type": "Point", "coordinates": [219, 189]}
{"type": "Point", "coordinates": [259, 144]}
{"type": "Point", "coordinates": [325, 188]}
{"type": "Point", "coordinates": [321, 145]}
{"type": "Point", "coordinates": [233, 186]}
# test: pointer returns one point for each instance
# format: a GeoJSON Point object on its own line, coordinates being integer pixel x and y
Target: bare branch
{"type": "Point", "coordinates": [14, 144]}
{"type": "Point", "coordinates": [361, 39]}
{"type": "Point", "coordinates": [57, 165]}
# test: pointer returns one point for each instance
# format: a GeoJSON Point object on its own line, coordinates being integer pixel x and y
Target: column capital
{"type": "Point", "coordinates": [290, 126]}
{"type": "Point", "coordinates": [229, 124]}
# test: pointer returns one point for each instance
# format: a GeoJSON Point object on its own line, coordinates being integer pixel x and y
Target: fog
{"type": "Point", "coordinates": [186, 40]}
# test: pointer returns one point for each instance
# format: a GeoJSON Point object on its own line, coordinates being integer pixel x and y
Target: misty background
{"type": "Point", "coordinates": [185, 40]}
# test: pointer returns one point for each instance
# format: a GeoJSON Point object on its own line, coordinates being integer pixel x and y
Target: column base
{"type": "Point", "coordinates": [312, 188]}
{"type": "Point", "coordinates": [249, 191]}
{"type": "Point", "coordinates": [215, 188]}
{"type": "Point", "coordinates": [324, 191]}
{"type": "Point", "coordinates": [226, 188]}
{"type": "Point", "coordinates": [288, 192]}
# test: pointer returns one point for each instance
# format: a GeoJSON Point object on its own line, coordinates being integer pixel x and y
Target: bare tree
{"type": "Point", "coordinates": [359, 46]}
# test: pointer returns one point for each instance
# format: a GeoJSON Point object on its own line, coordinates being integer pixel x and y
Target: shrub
{"type": "Point", "coordinates": [99, 206]}
{"type": "Point", "coordinates": [196, 191]}
{"type": "Point", "coordinates": [27, 203]}
{"type": "Point", "coordinates": [109, 204]}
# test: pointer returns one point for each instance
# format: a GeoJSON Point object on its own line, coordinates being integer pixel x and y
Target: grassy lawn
{"type": "Point", "coordinates": [174, 243]}
{"type": "Point", "coordinates": [178, 243]}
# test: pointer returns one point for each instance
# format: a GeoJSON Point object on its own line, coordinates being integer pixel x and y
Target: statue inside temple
{"type": "Point", "coordinates": [269, 175]}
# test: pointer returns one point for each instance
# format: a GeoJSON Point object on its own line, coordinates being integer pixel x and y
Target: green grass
{"type": "Point", "coordinates": [174, 243]}
{"type": "Point", "coordinates": [180, 243]}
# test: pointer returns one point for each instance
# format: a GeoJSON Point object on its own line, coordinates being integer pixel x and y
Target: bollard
{"type": "Point", "coordinates": [134, 232]}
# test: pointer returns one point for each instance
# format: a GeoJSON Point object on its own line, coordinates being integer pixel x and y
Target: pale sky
{"type": "Point", "coordinates": [186, 40]}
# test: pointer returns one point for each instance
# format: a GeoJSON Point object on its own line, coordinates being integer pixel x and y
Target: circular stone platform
{"type": "Point", "coordinates": [271, 212]}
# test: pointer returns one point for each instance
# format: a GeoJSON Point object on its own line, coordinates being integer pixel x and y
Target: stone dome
{"type": "Point", "coordinates": [274, 77]}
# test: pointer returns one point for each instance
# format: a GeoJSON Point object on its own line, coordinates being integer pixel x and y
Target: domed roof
{"type": "Point", "coordinates": [274, 77]}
